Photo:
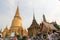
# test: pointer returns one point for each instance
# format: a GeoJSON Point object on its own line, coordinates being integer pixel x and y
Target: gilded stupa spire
{"type": "Point", "coordinates": [17, 12]}
{"type": "Point", "coordinates": [16, 25]}
{"type": "Point", "coordinates": [17, 21]}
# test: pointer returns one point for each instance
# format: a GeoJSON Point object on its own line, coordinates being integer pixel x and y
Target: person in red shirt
{"type": "Point", "coordinates": [15, 38]}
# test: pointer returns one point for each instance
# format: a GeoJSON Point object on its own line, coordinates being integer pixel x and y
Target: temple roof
{"type": "Point", "coordinates": [34, 23]}
{"type": "Point", "coordinates": [50, 25]}
{"type": "Point", "coordinates": [46, 24]}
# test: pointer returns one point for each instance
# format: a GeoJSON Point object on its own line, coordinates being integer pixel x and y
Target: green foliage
{"type": "Point", "coordinates": [24, 38]}
{"type": "Point", "coordinates": [18, 37]}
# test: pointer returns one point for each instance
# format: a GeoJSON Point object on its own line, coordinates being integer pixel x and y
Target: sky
{"type": "Point", "coordinates": [50, 8]}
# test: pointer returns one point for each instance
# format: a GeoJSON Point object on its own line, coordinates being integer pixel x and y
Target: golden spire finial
{"type": "Point", "coordinates": [17, 11]}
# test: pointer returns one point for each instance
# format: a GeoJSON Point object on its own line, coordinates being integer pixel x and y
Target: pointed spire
{"type": "Point", "coordinates": [44, 19]}
{"type": "Point", "coordinates": [6, 27]}
{"type": "Point", "coordinates": [34, 20]}
{"type": "Point", "coordinates": [33, 15]}
{"type": "Point", "coordinates": [17, 12]}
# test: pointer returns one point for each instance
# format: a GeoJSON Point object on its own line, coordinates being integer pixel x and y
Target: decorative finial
{"type": "Point", "coordinates": [33, 14]}
{"type": "Point", "coordinates": [17, 10]}
{"type": "Point", "coordinates": [44, 19]}
{"type": "Point", "coordinates": [18, 2]}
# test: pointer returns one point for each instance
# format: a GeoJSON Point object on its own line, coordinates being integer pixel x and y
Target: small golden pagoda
{"type": "Point", "coordinates": [5, 32]}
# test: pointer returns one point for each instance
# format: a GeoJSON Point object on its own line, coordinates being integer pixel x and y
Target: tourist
{"type": "Point", "coordinates": [49, 36]}
{"type": "Point", "coordinates": [15, 38]}
{"type": "Point", "coordinates": [1, 38]}
{"type": "Point", "coordinates": [55, 35]}
{"type": "Point", "coordinates": [28, 38]}
{"type": "Point", "coordinates": [38, 36]}
{"type": "Point", "coordinates": [33, 38]}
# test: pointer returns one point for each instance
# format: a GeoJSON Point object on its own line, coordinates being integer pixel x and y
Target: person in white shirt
{"type": "Point", "coordinates": [50, 36]}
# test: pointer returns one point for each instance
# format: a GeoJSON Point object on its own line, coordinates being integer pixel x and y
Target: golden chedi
{"type": "Point", "coordinates": [16, 23]}
{"type": "Point", "coordinates": [16, 26]}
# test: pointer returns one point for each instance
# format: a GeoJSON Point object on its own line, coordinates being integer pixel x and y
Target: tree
{"type": "Point", "coordinates": [18, 36]}
{"type": "Point", "coordinates": [24, 38]}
